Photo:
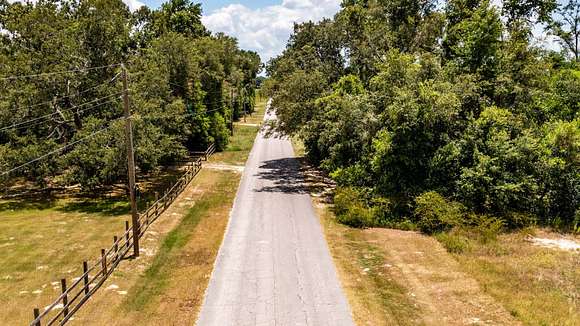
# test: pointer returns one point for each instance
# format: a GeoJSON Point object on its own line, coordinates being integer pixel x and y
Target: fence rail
{"type": "Point", "coordinates": [207, 153]}
{"type": "Point", "coordinates": [75, 295]}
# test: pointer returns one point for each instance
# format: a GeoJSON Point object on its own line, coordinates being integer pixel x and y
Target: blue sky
{"type": "Point", "coordinates": [263, 26]}
{"type": "Point", "coordinates": [211, 5]}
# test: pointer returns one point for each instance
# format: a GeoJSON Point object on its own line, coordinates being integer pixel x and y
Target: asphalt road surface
{"type": "Point", "coordinates": [274, 267]}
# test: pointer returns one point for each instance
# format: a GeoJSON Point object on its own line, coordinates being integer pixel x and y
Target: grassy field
{"type": "Point", "coordinates": [240, 145]}
{"type": "Point", "coordinates": [42, 242]}
{"type": "Point", "coordinates": [539, 286]}
{"type": "Point", "coordinates": [45, 239]}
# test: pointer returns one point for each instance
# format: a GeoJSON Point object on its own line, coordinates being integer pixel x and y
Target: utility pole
{"type": "Point", "coordinates": [244, 102]}
{"type": "Point", "coordinates": [130, 164]}
{"type": "Point", "coordinates": [232, 113]}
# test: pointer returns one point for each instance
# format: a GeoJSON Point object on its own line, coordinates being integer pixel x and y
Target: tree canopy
{"type": "Point", "coordinates": [406, 101]}
{"type": "Point", "coordinates": [60, 67]}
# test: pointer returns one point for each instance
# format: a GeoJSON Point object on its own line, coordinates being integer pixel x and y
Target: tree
{"type": "Point", "coordinates": [178, 79]}
{"type": "Point", "coordinates": [179, 16]}
{"type": "Point", "coordinates": [566, 27]}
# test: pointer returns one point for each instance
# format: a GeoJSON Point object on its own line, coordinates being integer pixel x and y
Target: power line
{"type": "Point", "coordinates": [55, 113]}
{"type": "Point", "coordinates": [59, 72]}
{"type": "Point", "coordinates": [68, 96]}
{"type": "Point", "coordinates": [80, 111]}
{"type": "Point", "coordinates": [183, 115]}
{"type": "Point", "coordinates": [60, 149]}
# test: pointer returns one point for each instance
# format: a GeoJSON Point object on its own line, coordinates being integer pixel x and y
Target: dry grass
{"type": "Point", "coordinates": [375, 297]}
{"type": "Point", "coordinates": [44, 240]}
{"type": "Point", "coordinates": [539, 286]}
{"type": "Point", "coordinates": [166, 285]}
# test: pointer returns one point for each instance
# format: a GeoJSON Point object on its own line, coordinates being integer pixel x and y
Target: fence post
{"type": "Point", "coordinates": [36, 314]}
{"type": "Point", "coordinates": [127, 234]}
{"type": "Point", "coordinates": [116, 245]}
{"type": "Point", "coordinates": [65, 297]}
{"type": "Point", "coordinates": [104, 262]}
{"type": "Point", "coordinates": [86, 277]}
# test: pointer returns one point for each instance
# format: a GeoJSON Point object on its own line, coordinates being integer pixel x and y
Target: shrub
{"type": "Point", "coordinates": [487, 227]}
{"type": "Point", "coordinates": [520, 220]}
{"type": "Point", "coordinates": [350, 209]}
{"type": "Point", "coordinates": [454, 243]}
{"type": "Point", "coordinates": [434, 213]}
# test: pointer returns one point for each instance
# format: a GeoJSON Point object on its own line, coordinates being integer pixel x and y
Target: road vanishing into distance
{"type": "Point", "coordinates": [274, 266]}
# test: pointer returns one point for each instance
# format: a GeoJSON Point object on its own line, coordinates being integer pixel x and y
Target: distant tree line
{"type": "Point", "coordinates": [185, 84]}
{"type": "Point", "coordinates": [428, 112]}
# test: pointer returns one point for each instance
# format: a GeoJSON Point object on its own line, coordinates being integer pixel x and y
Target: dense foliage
{"type": "Point", "coordinates": [186, 86]}
{"type": "Point", "coordinates": [428, 113]}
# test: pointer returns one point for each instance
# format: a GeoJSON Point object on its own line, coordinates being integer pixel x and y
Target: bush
{"type": "Point", "coordinates": [350, 209]}
{"type": "Point", "coordinates": [454, 243]}
{"type": "Point", "coordinates": [486, 228]}
{"type": "Point", "coordinates": [516, 220]}
{"type": "Point", "coordinates": [434, 213]}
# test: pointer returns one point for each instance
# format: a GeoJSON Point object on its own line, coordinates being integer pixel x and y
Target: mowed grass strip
{"type": "Point", "coordinates": [239, 147]}
{"type": "Point", "coordinates": [215, 202]}
{"type": "Point", "coordinates": [375, 297]}
{"type": "Point", "coordinates": [238, 150]}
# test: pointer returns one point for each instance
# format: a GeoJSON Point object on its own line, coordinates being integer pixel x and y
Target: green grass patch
{"type": "Point", "coordinates": [238, 150]}
{"type": "Point", "coordinates": [157, 276]}
{"type": "Point", "coordinates": [390, 295]}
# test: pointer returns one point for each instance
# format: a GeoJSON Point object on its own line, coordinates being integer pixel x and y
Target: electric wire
{"type": "Point", "coordinates": [59, 72]}
{"type": "Point", "coordinates": [80, 111]}
{"type": "Point", "coordinates": [55, 113]}
{"type": "Point", "coordinates": [69, 96]}
{"type": "Point", "coordinates": [60, 149]}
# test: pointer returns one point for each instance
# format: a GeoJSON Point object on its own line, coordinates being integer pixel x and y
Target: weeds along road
{"type": "Point", "coordinates": [274, 266]}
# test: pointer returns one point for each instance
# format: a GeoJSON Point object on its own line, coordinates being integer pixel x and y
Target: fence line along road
{"type": "Point", "coordinates": [75, 295]}
{"type": "Point", "coordinates": [207, 153]}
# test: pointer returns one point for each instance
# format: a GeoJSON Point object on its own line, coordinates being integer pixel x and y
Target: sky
{"type": "Point", "coordinates": [263, 26]}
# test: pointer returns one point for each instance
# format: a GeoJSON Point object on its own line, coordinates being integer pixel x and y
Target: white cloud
{"type": "Point", "coordinates": [266, 30]}
{"type": "Point", "coordinates": [134, 4]}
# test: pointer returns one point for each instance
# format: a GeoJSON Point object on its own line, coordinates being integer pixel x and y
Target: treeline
{"type": "Point", "coordinates": [434, 114]}
{"type": "Point", "coordinates": [62, 84]}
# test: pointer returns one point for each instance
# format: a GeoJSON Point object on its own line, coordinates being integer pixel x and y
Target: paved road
{"type": "Point", "coordinates": [274, 267]}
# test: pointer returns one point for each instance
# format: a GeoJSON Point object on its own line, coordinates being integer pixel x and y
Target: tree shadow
{"type": "Point", "coordinates": [38, 203]}
{"type": "Point", "coordinates": [284, 176]}
{"type": "Point", "coordinates": [113, 206]}
{"type": "Point", "coordinates": [294, 176]}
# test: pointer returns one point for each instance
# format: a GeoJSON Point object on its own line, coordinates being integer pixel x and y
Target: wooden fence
{"type": "Point", "coordinates": [74, 295]}
{"type": "Point", "coordinates": [207, 153]}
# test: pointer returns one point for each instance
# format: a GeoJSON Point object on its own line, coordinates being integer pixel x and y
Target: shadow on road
{"type": "Point", "coordinates": [295, 176]}
{"type": "Point", "coordinates": [284, 175]}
